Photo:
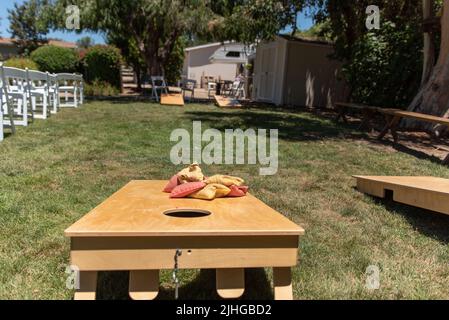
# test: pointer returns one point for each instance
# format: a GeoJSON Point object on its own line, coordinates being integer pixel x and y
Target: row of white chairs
{"type": "Point", "coordinates": [26, 95]}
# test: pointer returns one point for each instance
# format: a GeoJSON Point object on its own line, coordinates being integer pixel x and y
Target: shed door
{"type": "Point", "coordinates": [267, 74]}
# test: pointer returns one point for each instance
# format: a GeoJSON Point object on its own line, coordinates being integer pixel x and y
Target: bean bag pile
{"type": "Point", "coordinates": [191, 183]}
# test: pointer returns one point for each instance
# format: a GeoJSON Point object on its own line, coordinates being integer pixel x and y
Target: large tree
{"type": "Point", "coordinates": [433, 97]}
{"type": "Point", "coordinates": [155, 26]}
{"type": "Point", "coordinates": [26, 27]}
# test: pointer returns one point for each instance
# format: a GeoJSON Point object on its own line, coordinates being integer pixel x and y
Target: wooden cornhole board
{"type": "Point", "coordinates": [429, 193]}
{"type": "Point", "coordinates": [227, 102]}
{"type": "Point", "coordinates": [131, 231]}
{"type": "Point", "coordinates": [172, 99]}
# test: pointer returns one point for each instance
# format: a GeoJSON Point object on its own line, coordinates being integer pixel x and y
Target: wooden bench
{"type": "Point", "coordinates": [367, 111]}
{"type": "Point", "coordinates": [392, 116]}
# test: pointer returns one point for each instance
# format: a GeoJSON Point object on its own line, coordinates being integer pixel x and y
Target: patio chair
{"type": "Point", "coordinates": [237, 90]}
{"type": "Point", "coordinates": [158, 84]}
{"type": "Point", "coordinates": [226, 87]}
{"type": "Point", "coordinates": [15, 83]}
{"type": "Point", "coordinates": [38, 93]}
{"type": "Point", "coordinates": [68, 87]}
{"type": "Point", "coordinates": [188, 85]}
{"type": "Point", "coordinates": [211, 88]}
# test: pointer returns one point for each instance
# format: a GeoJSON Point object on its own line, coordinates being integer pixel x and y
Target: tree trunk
{"type": "Point", "coordinates": [152, 61]}
{"type": "Point", "coordinates": [138, 71]}
{"type": "Point", "coordinates": [429, 42]}
{"type": "Point", "coordinates": [433, 97]}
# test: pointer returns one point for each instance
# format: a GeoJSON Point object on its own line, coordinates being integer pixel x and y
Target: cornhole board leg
{"type": "Point", "coordinates": [370, 187]}
{"type": "Point", "coordinates": [172, 99]}
{"type": "Point", "coordinates": [87, 286]}
{"type": "Point", "coordinates": [144, 284]}
{"type": "Point", "coordinates": [446, 160]}
{"type": "Point", "coordinates": [230, 283]}
{"type": "Point", "coordinates": [282, 278]}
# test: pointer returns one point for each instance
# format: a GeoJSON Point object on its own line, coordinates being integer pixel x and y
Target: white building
{"type": "Point", "coordinates": [214, 61]}
{"type": "Point", "coordinates": [297, 72]}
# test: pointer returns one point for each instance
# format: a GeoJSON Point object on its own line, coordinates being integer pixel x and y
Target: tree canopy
{"type": "Point", "coordinates": [154, 27]}
{"type": "Point", "coordinates": [27, 24]}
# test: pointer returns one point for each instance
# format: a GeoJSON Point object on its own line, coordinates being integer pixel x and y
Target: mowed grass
{"type": "Point", "coordinates": [55, 171]}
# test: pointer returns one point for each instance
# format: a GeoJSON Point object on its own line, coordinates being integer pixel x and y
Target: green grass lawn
{"type": "Point", "coordinates": [55, 171]}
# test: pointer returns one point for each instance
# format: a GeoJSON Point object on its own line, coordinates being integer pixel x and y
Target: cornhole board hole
{"type": "Point", "coordinates": [226, 102]}
{"type": "Point", "coordinates": [429, 193]}
{"type": "Point", "coordinates": [172, 99]}
{"type": "Point", "coordinates": [139, 229]}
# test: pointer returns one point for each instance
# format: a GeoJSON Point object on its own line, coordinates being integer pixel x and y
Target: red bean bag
{"type": "Point", "coordinates": [186, 189]}
{"type": "Point", "coordinates": [173, 183]}
{"type": "Point", "coordinates": [238, 191]}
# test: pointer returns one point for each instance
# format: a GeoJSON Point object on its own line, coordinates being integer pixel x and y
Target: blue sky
{"type": "Point", "coordinates": [67, 36]}
{"type": "Point", "coordinates": [303, 23]}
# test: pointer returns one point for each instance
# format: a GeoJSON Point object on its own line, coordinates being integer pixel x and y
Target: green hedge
{"type": "Point", "coordinates": [55, 59]}
{"type": "Point", "coordinates": [102, 64]}
{"type": "Point", "coordinates": [21, 63]}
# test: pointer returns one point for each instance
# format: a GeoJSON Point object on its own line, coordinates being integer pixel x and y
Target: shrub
{"type": "Point", "coordinates": [385, 67]}
{"type": "Point", "coordinates": [175, 61]}
{"type": "Point", "coordinates": [100, 89]}
{"type": "Point", "coordinates": [21, 63]}
{"type": "Point", "coordinates": [55, 59]}
{"type": "Point", "coordinates": [102, 64]}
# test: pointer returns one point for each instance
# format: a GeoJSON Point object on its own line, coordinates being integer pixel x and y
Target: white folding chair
{"type": "Point", "coordinates": [2, 136]}
{"type": "Point", "coordinates": [67, 86]}
{"type": "Point", "coordinates": [80, 84]}
{"type": "Point", "coordinates": [5, 105]}
{"type": "Point", "coordinates": [158, 83]}
{"type": "Point", "coordinates": [188, 85]}
{"type": "Point", "coordinates": [15, 83]}
{"type": "Point", "coordinates": [53, 99]}
{"type": "Point", "coordinates": [211, 87]}
{"type": "Point", "coordinates": [38, 93]}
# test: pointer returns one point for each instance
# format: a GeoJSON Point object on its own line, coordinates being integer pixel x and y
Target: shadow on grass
{"type": "Point", "coordinates": [129, 99]}
{"type": "Point", "coordinates": [429, 223]}
{"type": "Point", "coordinates": [292, 127]}
{"type": "Point", "coordinates": [297, 125]}
{"type": "Point", "coordinates": [114, 286]}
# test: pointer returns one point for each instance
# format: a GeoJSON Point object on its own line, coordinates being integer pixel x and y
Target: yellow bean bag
{"type": "Point", "coordinates": [211, 192]}
{"type": "Point", "coordinates": [192, 173]}
{"type": "Point", "coordinates": [225, 180]}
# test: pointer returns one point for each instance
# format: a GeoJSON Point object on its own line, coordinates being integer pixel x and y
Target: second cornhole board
{"type": "Point", "coordinates": [226, 102]}
{"type": "Point", "coordinates": [172, 99]}
{"type": "Point", "coordinates": [429, 193]}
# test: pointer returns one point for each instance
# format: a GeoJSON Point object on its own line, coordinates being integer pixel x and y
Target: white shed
{"type": "Point", "coordinates": [297, 72]}
{"type": "Point", "coordinates": [214, 60]}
